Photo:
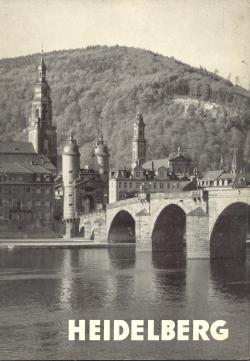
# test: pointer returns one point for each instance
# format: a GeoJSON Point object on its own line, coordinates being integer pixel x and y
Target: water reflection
{"type": "Point", "coordinates": [31, 258]}
{"type": "Point", "coordinates": [230, 277]}
{"type": "Point", "coordinates": [171, 261]}
{"type": "Point", "coordinates": [170, 274]}
{"type": "Point", "coordinates": [42, 288]}
{"type": "Point", "coordinates": [122, 258]}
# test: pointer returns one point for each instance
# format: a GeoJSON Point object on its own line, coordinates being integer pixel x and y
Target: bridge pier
{"type": "Point", "coordinates": [197, 236]}
{"type": "Point", "coordinates": [143, 230]}
{"type": "Point", "coordinates": [71, 228]}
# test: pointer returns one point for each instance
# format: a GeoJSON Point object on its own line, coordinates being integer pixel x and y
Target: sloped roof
{"type": "Point", "coordinates": [212, 175]}
{"type": "Point", "coordinates": [157, 163]}
{"type": "Point", "coordinates": [175, 156]}
{"type": "Point", "coordinates": [22, 168]}
{"type": "Point", "coordinates": [245, 175]}
{"type": "Point", "coordinates": [24, 154]}
{"type": "Point", "coordinates": [227, 175]}
{"type": "Point", "coordinates": [188, 185]}
{"type": "Point", "coordinates": [16, 148]}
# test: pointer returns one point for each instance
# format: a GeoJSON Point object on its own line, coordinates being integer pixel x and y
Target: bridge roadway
{"type": "Point", "coordinates": [206, 223]}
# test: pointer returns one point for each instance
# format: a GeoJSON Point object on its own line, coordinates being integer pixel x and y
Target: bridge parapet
{"type": "Point", "coordinates": [90, 215]}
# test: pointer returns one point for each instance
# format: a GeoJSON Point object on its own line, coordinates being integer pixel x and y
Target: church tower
{"type": "Point", "coordinates": [138, 142]}
{"type": "Point", "coordinates": [41, 132]}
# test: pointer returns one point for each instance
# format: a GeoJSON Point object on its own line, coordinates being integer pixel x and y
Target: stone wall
{"type": "Point", "coordinates": [197, 236]}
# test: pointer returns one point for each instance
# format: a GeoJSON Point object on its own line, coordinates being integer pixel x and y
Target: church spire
{"type": "Point", "coordinates": [221, 162]}
{"type": "Point", "coordinates": [101, 132]}
{"type": "Point", "coordinates": [234, 167]}
{"type": "Point", "coordinates": [42, 68]}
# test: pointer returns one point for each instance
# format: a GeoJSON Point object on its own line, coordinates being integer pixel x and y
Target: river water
{"type": "Point", "coordinates": [41, 289]}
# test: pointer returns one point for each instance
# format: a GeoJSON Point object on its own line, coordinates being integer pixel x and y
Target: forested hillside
{"type": "Point", "coordinates": [182, 106]}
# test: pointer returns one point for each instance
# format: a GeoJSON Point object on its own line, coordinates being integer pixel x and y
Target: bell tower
{"type": "Point", "coordinates": [138, 142]}
{"type": "Point", "coordinates": [41, 131]}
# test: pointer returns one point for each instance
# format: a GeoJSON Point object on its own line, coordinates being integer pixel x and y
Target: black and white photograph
{"type": "Point", "coordinates": [124, 179]}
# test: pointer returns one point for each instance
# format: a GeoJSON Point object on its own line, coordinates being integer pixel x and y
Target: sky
{"type": "Point", "coordinates": [212, 33]}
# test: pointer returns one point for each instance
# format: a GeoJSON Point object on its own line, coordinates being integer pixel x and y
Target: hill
{"type": "Point", "coordinates": [200, 111]}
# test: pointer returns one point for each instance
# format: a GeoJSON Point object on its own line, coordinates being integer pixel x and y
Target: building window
{"type": "Point", "coordinates": [137, 185]}
{"type": "Point", "coordinates": [155, 185]}
{"type": "Point", "coordinates": [161, 185]}
{"type": "Point", "coordinates": [125, 184]}
{"type": "Point", "coordinates": [168, 185]}
{"type": "Point", "coordinates": [37, 216]}
{"type": "Point", "coordinates": [38, 190]}
{"type": "Point", "coordinates": [173, 185]}
{"type": "Point", "coordinates": [178, 185]}
{"type": "Point", "coordinates": [14, 202]}
{"type": "Point", "coordinates": [120, 184]}
{"type": "Point", "coordinates": [130, 185]}
{"type": "Point", "coordinates": [161, 174]}
{"type": "Point", "coordinates": [137, 174]}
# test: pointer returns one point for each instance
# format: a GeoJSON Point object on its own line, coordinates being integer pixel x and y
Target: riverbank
{"type": "Point", "coordinates": [59, 243]}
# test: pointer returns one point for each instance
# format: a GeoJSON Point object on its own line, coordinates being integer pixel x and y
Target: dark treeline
{"type": "Point", "coordinates": [108, 83]}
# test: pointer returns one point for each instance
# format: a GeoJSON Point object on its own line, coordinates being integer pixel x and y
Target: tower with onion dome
{"type": "Point", "coordinates": [102, 157]}
{"type": "Point", "coordinates": [70, 172]}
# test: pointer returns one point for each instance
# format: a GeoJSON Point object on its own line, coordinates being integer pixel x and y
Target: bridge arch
{"type": "Point", "coordinates": [229, 232]}
{"type": "Point", "coordinates": [169, 230]}
{"type": "Point", "coordinates": [122, 228]}
{"type": "Point", "coordinates": [85, 229]}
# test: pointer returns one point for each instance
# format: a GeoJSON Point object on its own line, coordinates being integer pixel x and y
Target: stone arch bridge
{"type": "Point", "coordinates": [204, 223]}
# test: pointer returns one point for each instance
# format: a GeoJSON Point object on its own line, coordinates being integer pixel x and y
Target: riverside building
{"type": "Point", "coordinates": [171, 174]}
{"type": "Point", "coordinates": [220, 178]}
{"type": "Point", "coordinates": [27, 171]}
